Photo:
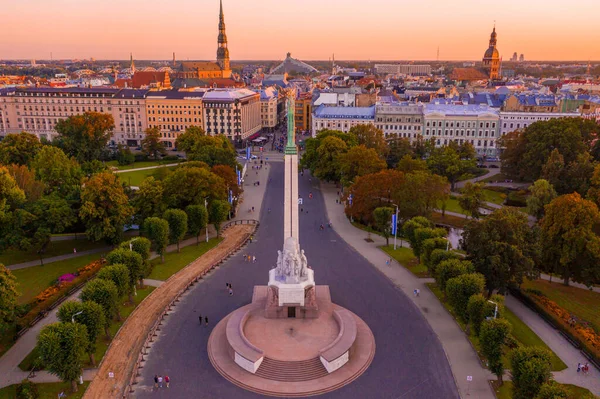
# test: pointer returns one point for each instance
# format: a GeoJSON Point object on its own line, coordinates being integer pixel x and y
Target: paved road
{"type": "Point", "coordinates": [409, 361]}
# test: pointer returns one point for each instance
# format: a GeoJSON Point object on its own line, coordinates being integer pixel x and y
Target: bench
{"type": "Point", "coordinates": [337, 353]}
{"type": "Point", "coordinates": [246, 355]}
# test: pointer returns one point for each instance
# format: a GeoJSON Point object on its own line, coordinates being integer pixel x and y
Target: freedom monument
{"type": "Point", "coordinates": [291, 340]}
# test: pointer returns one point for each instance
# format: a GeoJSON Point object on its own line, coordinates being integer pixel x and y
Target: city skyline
{"type": "Point", "coordinates": [267, 31]}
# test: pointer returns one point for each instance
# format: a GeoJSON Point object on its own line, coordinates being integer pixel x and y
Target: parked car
{"type": "Point", "coordinates": [494, 166]}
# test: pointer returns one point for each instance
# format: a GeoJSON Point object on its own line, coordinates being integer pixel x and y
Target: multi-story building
{"type": "Point", "coordinates": [303, 114]}
{"type": "Point", "coordinates": [476, 124]}
{"type": "Point", "coordinates": [530, 103]}
{"type": "Point", "coordinates": [409, 69]}
{"type": "Point", "coordinates": [174, 111]}
{"type": "Point", "coordinates": [341, 118]}
{"type": "Point", "coordinates": [515, 121]}
{"type": "Point", "coordinates": [400, 119]}
{"type": "Point", "coordinates": [268, 108]}
{"type": "Point", "coordinates": [233, 113]}
{"type": "Point", "coordinates": [37, 110]}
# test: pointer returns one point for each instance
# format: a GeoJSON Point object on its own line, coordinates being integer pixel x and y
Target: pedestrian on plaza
{"type": "Point", "coordinates": [205, 321]}
{"type": "Point", "coordinates": [253, 259]}
{"type": "Point", "coordinates": [245, 257]}
{"type": "Point", "coordinates": [249, 258]}
{"type": "Point", "coordinates": [301, 210]}
{"type": "Point", "coordinates": [418, 292]}
{"type": "Point", "coordinates": [230, 291]}
{"type": "Point", "coordinates": [387, 262]}
{"type": "Point", "coordinates": [586, 368]}
{"type": "Point", "coordinates": [578, 367]}
{"type": "Point", "coordinates": [74, 250]}
{"type": "Point", "coordinates": [167, 380]}
{"type": "Point", "coordinates": [252, 209]}
{"type": "Point", "coordinates": [156, 379]}
{"type": "Point", "coordinates": [160, 381]}
{"type": "Point", "coordinates": [200, 319]}
{"type": "Point", "coordinates": [415, 292]}
{"type": "Point", "coordinates": [226, 286]}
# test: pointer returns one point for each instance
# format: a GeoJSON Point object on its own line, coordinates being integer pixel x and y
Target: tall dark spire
{"type": "Point", "coordinates": [222, 51]}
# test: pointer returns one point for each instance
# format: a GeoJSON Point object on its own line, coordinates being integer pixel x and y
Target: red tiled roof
{"type": "Point", "coordinates": [142, 79]}
{"type": "Point", "coordinates": [468, 74]}
{"type": "Point", "coordinates": [122, 83]}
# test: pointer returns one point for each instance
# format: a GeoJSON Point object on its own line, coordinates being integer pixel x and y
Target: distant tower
{"type": "Point", "coordinates": [333, 64]}
{"type": "Point", "coordinates": [515, 57]}
{"type": "Point", "coordinates": [522, 58]}
{"type": "Point", "coordinates": [491, 58]}
{"type": "Point", "coordinates": [222, 51]}
{"type": "Point", "coordinates": [174, 64]}
{"type": "Point", "coordinates": [132, 67]}
{"type": "Point", "coordinates": [438, 54]}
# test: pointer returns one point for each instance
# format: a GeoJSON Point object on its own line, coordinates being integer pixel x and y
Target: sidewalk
{"type": "Point", "coordinates": [58, 258]}
{"type": "Point", "coordinates": [461, 356]}
{"type": "Point", "coordinates": [559, 345]}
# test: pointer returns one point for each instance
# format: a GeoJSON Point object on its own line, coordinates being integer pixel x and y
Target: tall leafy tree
{"type": "Point", "coordinates": [8, 297]}
{"type": "Point", "coordinates": [472, 199]}
{"type": "Point", "coordinates": [359, 161]}
{"type": "Point", "coordinates": [89, 314]}
{"type": "Point", "coordinates": [408, 164]}
{"type": "Point", "coordinates": [570, 246]}
{"type": "Point", "coordinates": [149, 200]}
{"type": "Point", "coordinates": [188, 139]}
{"type": "Point", "coordinates": [593, 193]}
{"type": "Point", "coordinates": [197, 220]}
{"type": "Point", "coordinates": [421, 193]}
{"type": "Point", "coordinates": [25, 179]}
{"type": "Point", "coordinates": [447, 162]}
{"type": "Point", "coordinates": [310, 155]}
{"type": "Point", "coordinates": [131, 259]}
{"type": "Point", "coordinates": [139, 245]}
{"type": "Point", "coordinates": [552, 390]}
{"type": "Point", "coordinates": [178, 225]}
{"type": "Point", "coordinates": [61, 346]}
{"type": "Point", "coordinates": [119, 275]}
{"type": "Point", "coordinates": [328, 163]}
{"type": "Point", "coordinates": [451, 268]}
{"type": "Point", "coordinates": [542, 193]}
{"type": "Point", "coordinates": [502, 247]}
{"type": "Point", "coordinates": [422, 235]}
{"type": "Point", "coordinates": [411, 226]}
{"type": "Point", "coordinates": [460, 289]}
{"type": "Point", "coordinates": [190, 186]}
{"type": "Point", "coordinates": [85, 136]}
{"type": "Point", "coordinates": [11, 196]}
{"type": "Point", "coordinates": [19, 148]}
{"type": "Point", "coordinates": [383, 220]}
{"type": "Point", "coordinates": [492, 338]}
{"type": "Point", "coordinates": [105, 207]}
{"type": "Point", "coordinates": [151, 144]}
{"type": "Point", "coordinates": [60, 173]}
{"type": "Point", "coordinates": [157, 230]}
{"type": "Point", "coordinates": [530, 369]}
{"type": "Point", "coordinates": [213, 150]}
{"type": "Point", "coordinates": [479, 308]}
{"type": "Point", "coordinates": [398, 149]}
{"type": "Point", "coordinates": [217, 213]}
{"type": "Point", "coordinates": [104, 293]}
{"type": "Point", "coordinates": [370, 137]}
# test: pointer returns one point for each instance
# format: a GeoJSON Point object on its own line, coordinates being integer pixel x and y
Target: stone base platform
{"type": "Point", "coordinates": [291, 349]}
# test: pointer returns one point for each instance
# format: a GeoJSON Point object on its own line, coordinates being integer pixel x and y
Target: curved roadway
{"type": "Point", "coordinates": [409, 361]}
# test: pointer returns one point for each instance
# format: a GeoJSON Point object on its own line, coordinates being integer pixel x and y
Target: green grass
{"type": "Point", "coordinates": [453, 206]}
{"type": "Point", "coordinates": [48, 390]}
{"type": "Point", "coordinates": [142, 164]}
{"type": "Point", "coordinates": [494, 197]}
{"type": "Point", "coordinates": [450, 220]}
{"type": "Point", "coordinates": [136, 177]}
{"type": "Point", "coordinates": [521, 332]}
{"type": "Point", "coordinates": [102, 343]}
{"type": "Point", "coordinates": [33, 280]}
{"type": "Point", "coordinates": [56, 248]}
{"type": "Point", "coordinates": [505, 391]}
{"type": "Point", "coordinates": [582, 303]}
{"type": "Point", "coordinates": [405, 257]}
{"type": "Point", "coordinates": [175, 261]}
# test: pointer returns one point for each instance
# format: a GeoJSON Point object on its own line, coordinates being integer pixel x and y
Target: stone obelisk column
{"type": "Point", "coordinates": [290, 220]}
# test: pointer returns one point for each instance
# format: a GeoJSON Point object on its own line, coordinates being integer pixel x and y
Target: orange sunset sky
{"type": "Point", "coordinates": [309, 29]}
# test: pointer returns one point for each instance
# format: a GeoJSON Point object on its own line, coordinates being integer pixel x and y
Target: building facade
{"type": "Point", "coordinates": [268, 108]}
{"type": "Point", "coordinates": [400, 120]}
{"type": "Point", "coordinates": [233, 113]}
{"type": "Point", "coordinates": [397, 69]}
{"type": "Point", "coordinates": [517, 121]}
{"type": "Point", "coordinates": [303, 114]}
{"type": "Point", "coordinates": [476, 124]}
{"type": "Point", "coordinates": [341, 118]}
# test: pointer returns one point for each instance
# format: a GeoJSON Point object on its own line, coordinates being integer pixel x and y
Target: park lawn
{"type": "Point", "coordinates": [505, 391]}
{"type": "Point", "coordinates": [582, 303]}
{"type": "Point", "coordinates": [55, 248]}
{"type": "Point", "coordinates": [141, 164]}
{"type": "Point", "coordinates": [405, 257]}
{"type": "Point", "coordinates": [450, 220]}
{"type": "Point", "coordinates": [521, 332]}
{"type": "Point", "coordinates": [453, 206]}
{"type": "Point", "coordinates": [49, 390]}
{"type": "Point", "coordinates": [175, 261]}
{"type": "Point", "coordinates": [494, 197]}
{"type": "Point", "coordinates": [33, 280]}
{"type": "Point", "coordinates": [136, 177]}
{"type": "Point", "coordinates": [102, 343]}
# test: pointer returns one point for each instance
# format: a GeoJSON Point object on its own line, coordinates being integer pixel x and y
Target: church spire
{"type": "Point", "coordinates": [222, 51]}
{"type": "Point", "coordinates": [132, 67]}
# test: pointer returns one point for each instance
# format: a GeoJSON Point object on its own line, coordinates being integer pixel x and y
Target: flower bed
{"type": "Point", "coordinates": [45, 300]}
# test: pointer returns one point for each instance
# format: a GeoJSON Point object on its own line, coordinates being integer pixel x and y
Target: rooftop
{"type": "Point", "coordinates": [228, 94]}
{"type": "Point", "coordinates": [459, 110]}
{"type": "Point", "coordinates": [324, 111]}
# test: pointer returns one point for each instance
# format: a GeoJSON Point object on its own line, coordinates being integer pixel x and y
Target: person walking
{"type": "Point", "coordinates": [200, 319]}
{"type": "Point", "coordinates": [160, 381]}
{"type": "Point", "coordinates": [205, 321]}
{"type": "Point", "coordinates": [167, 380]}
{"type": "Point", "coordinates": [387, 262]}
{"type": "Point", "coordinates": [578, 367]}
{"type": "Point", "coordinates": [418, 291]}
{"type": "Point", "coordinates": [254, 259]}
{"type": "Point", "coordinates": [230, 291]}
{"type": "Point", "coordinates": [156, 376]}
{"type": "Point", "coordinates": [226, 286]}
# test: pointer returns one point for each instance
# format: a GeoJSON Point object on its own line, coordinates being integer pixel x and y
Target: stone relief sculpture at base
{"type": "Point", "coordinates": [291, 264]}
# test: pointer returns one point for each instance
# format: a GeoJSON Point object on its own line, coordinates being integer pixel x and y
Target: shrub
{"type": "Point", "coordinates": [460, 289]}
{"type": "Point", "coordinates": [170, 158]}
{"type": "Point", "coordinates": [27, 390]}
{"type": "Point", "coordinates": [530, 367]}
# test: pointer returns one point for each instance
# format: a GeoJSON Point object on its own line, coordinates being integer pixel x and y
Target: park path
{"type": "Point", "coordinates": [147, 168]}
{"type": "Point", "coordinates": [461, 356]}
{"type": "Point", "coordinates": [559, 345]}
{"type": "Point", "coordinates": [58, 258]}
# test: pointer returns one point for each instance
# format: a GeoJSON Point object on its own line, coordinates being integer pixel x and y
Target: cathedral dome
{"type": "Point", "coordinates": [491, 52]}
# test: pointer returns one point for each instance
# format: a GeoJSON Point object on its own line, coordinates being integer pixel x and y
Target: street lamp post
{"type": "Point", "coordinates": [396, 226]}
{"type": "Point", "coordinates": [206, 206]}
{"type": "Point", "coordinates": [73, 317]}
{"type": "Point", "coordinates": [495, 309]}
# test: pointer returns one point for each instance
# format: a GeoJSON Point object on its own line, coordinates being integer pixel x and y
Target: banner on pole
{"type": "Point", "coordinates": [247, 153]}
{"type": "Point", "coordinates": [394, 224]}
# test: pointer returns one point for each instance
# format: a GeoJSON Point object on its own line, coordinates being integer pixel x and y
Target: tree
{"type": "Point", "coordinates": [217, 213]}
{"type": "Point", "coordinates": [423, 234]}
{"type": "Point", "coordinates": [530, 368]}
{"type": "Point", "coordinates": [570, 246]}
{"type": "Point", "coordinates": [447, 162]}
{"type": "Point", "coordinates": [132, 260]}
{"type": "Point", "coordinates": [89, 314]}
{"type": "Point", "coordinates": [151, 144]}
{"type": "Point", "coordinates": [578, 174]}
{"type": "Point", "coordinates": [197, 220]}
{"type": "Point", "coordinates": [593, 193]}
{"type": "Point", "coordinates": [328, 163]}
{"type": "Point", "coordinates": [359, 161]}
{"type": "Point", "coordinates": [86, 135]}
{"type": "Point", "coordinates": [451, 268]}
{"type": "Point", "coordinates": [213, 150]}
{"type": "Point", "coordinates": [479, 308]}
{"type": "Point", "coordinates": [492, 338]}
{"type": "Point", "coordinates": [421, 193]}
{"type": "Point", "coordinates": [460, 289]}
{"type": "Point", "coordinates": [178, 225]}
{"type": "Point", "coordinates": [310, 156]}
{"type": "Point", "coordinates": [438, 256]}
{"type": "Point", "coordinates": [8, 297]}
{"type": "Point", "coordinates": [19, 148]}
{"type": "Point", "coordinates": [408, 164]}
{"type": "Point", "coordinates": [428, 246]}
{"type": "Point", "coordinates": [370, 137]}
{"type": "Point", "coordinates": [11, 196]}
{"type": "Point", "coordinates": [105, 207]}
{"type": "Point", "coordinates": [383, 220]}
{"type": "Point", "coordinates": [149, 200]}
{"type": "Point", "coordinates": [227, 173]}
{"type": "Point", "coordinates": [124, 155]}
{"type": "Point", "coordinates": [410, 227]}
{"type": "Point", "coordinates": [552, 390]}
{"type": "Point", "coordinates": [139, 245]}
{"type": "Point", "coordinates": [398, 149]}
{"type": "Point", "coordinates": [542, 193]}
{"type": "Point", "coordinates": [61, 346]}
{"type": "Point", "coordinates": [373, 191]}
{"type": "Point", "coordinates": [157, 230]}
{"type": "Point", "coordinates": [554, 170]}
{"type": "Point", "coordinates": [94, 166]}
{"type": "Point", "coordinates": [104, 293]}
{"type": "Point", "coordinates": [119, 275]}
{"type": "Point", "coordinates": [472, 199]}
{"type": "Point", "coordinates": [25, 179]}
{"type": "Point", "coordinates": [502, 247]}
{"type": "Point", "coordinates": [190, 186]}
{"type": "Point", "coordinates": [60, 173]}
{"type": "Point", "coordinates": [188, 139]}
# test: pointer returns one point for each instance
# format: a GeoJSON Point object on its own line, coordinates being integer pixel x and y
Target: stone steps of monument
{"type": "Point", "coordinates": [291, 371]}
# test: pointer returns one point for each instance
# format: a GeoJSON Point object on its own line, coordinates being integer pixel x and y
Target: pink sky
{"type": "Point", "coordinates": [309, 29]}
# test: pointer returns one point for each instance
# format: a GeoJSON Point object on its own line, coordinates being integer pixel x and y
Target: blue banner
{"type": "Point", "coordinates": [394, 224]}
{"type": "Point", "coordinates": [230, 197]}
{"type": "Point", "coordinates": [239, 177]}
{"type": "Point", "coordinates": [350, 198]}
{"type": "Point", "coordinates": [247, 152]}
